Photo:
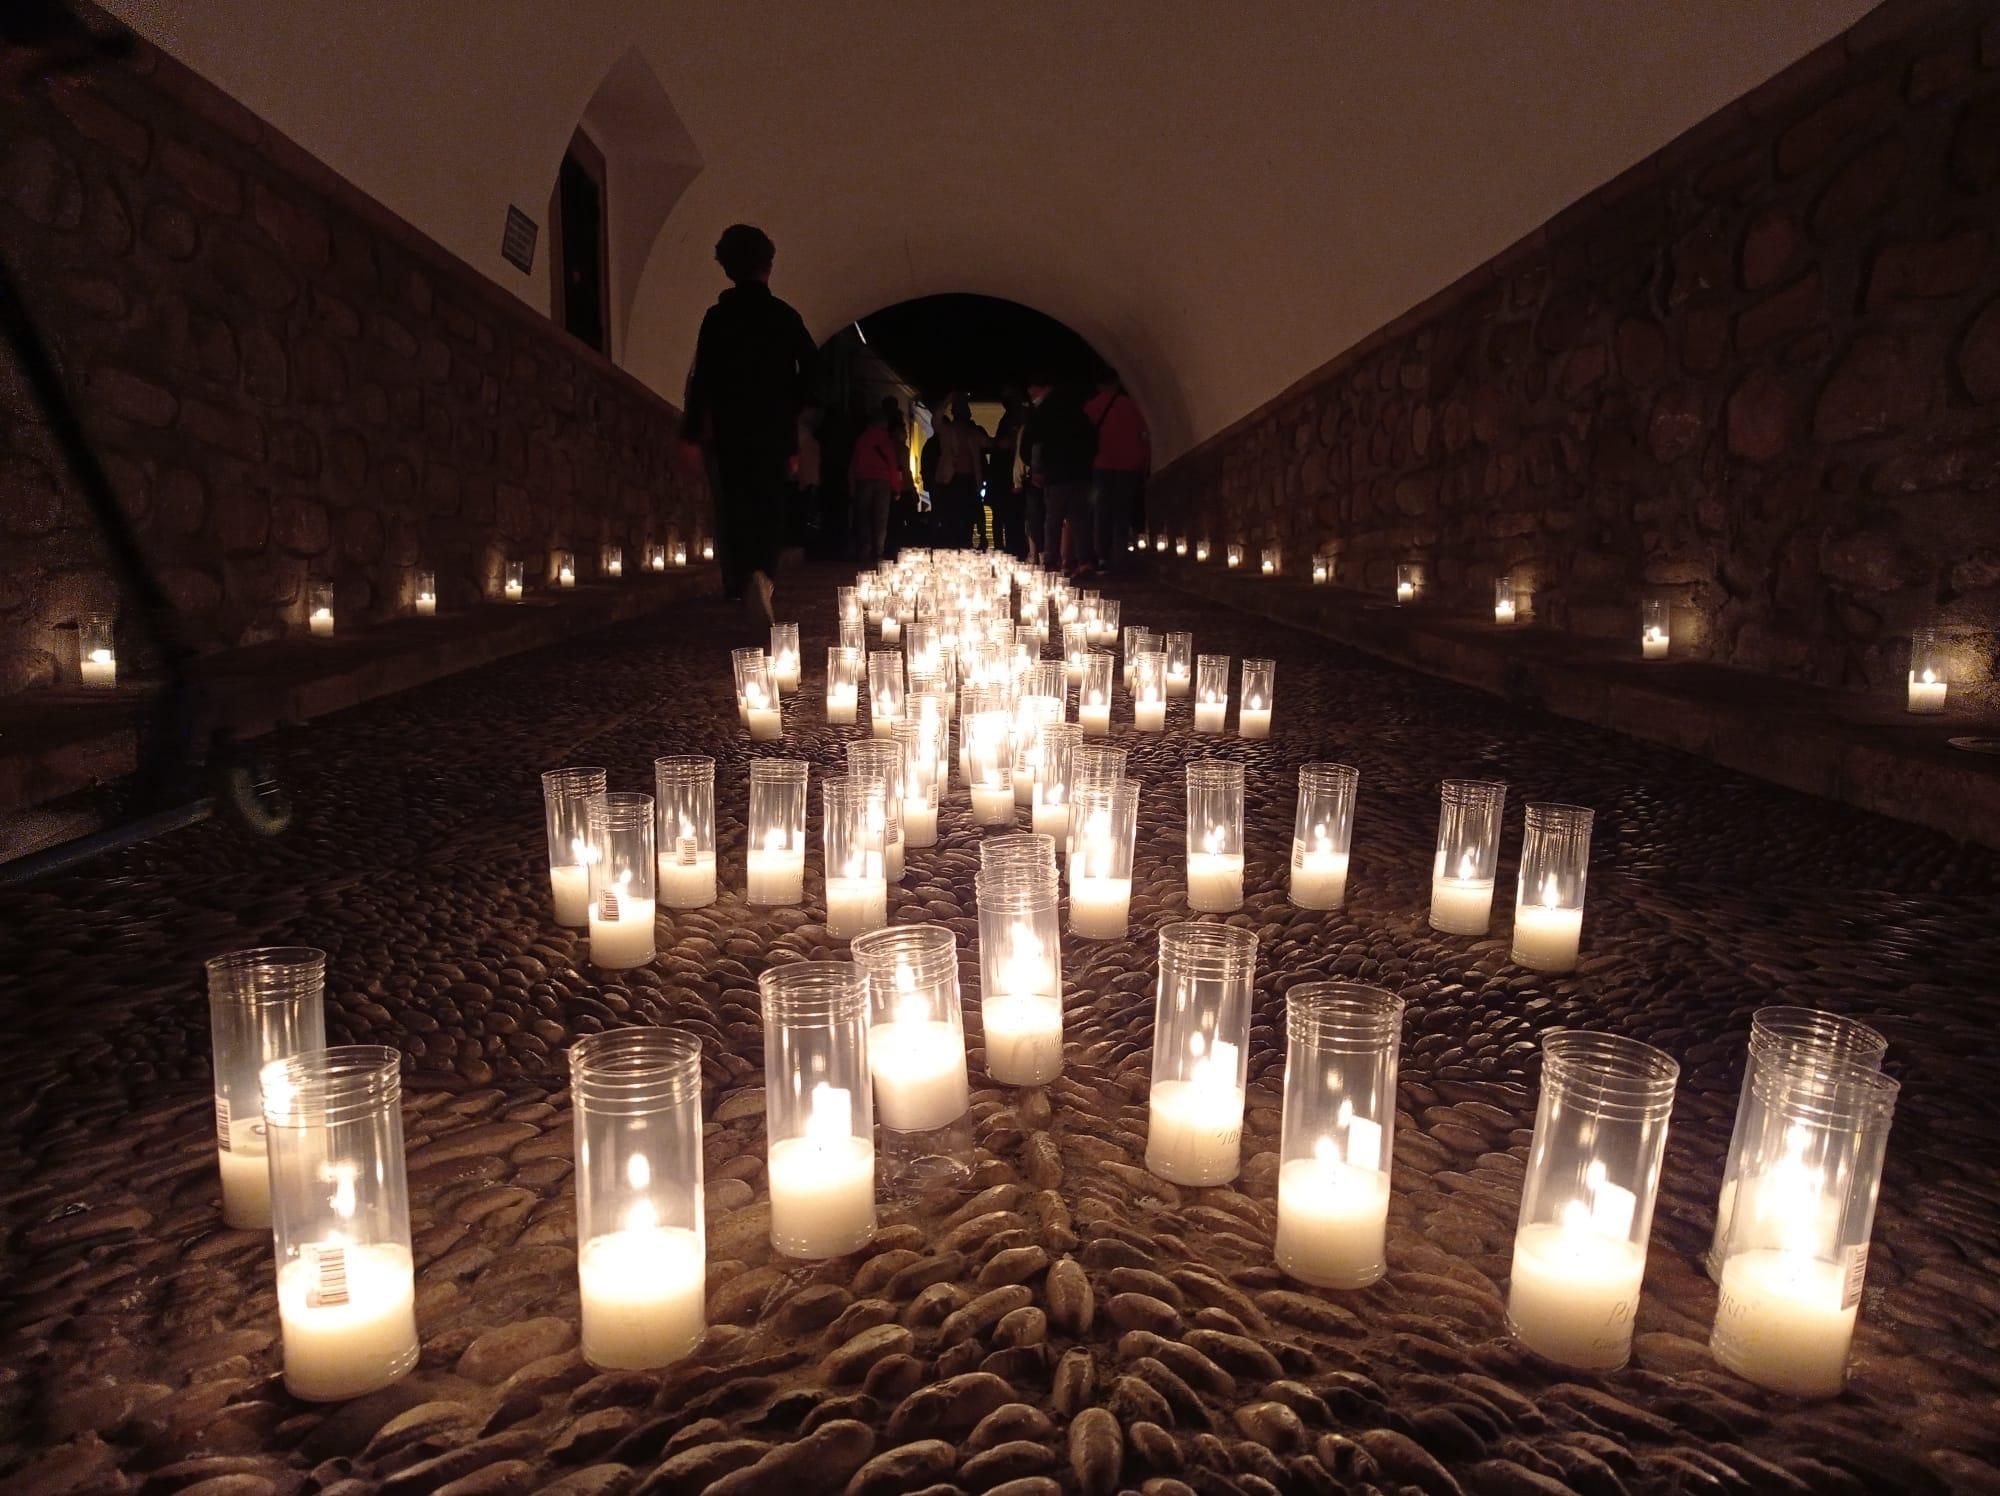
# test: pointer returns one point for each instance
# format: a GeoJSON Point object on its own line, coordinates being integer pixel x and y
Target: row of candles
{"type": "Point", "coordinates": [310, 1144]}
{"type": "Point", "coordinates": [97, 646]}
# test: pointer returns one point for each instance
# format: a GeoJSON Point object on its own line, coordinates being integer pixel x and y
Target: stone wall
{"type": "Point", "coordinates": [285, 381]}
{"type": "Point", "coordinates": [1759, 373]}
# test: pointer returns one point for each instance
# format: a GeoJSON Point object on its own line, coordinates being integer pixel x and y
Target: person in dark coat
{"type": "Point", "coordinates": [753, 371]}
{"type": "Point", "coordinates": [1062, 445]}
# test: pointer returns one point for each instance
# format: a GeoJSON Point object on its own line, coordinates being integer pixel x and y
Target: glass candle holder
{"type": "Point", "coordinates": [1342, 1040]}
{"type": "Point", "coordinates": [881, 762]}
{"type": "Point", "coordinates": [1408, 579]}
{"type": "Point", "coordinates": [1095, 764]}
{"type": "Point", "coordinates": [1093, 695]}
{"type": "Point", "coordinates": [926, 768]}
{"type": "Point", "coordinates": [776, 872]}
{"type": "Point", "coordinates": [1322, 833]}
{"type": "Point", "coordinates": [1468, 855]}
{"type": "Point", "coordinates": [843, 684]}
{"type": "Point", "coordinates": [1137, 642]}
{"type": "Point", "coordinates": [1260, 694]}
{"type": "Point", "coordinates": [1104, 827]}
{"type": "Point", "coordinates": [96, 649]}
{"type": "Point", "coordinates": [684, 790]}
{"type": "Point", "coordinates": [1797, 1251]}
{"type": "Point", "coordinates": [787, 659]}
{"type": "Point", "coordinates": [854, 636]}
{"type": "Point", "coordinates": [1322, 572]}
{"type": "Point", "coordinates": [1179, 650]}
{"type": "Point", "coordinates": [1108, 610]}
{"type": "Point", "coordinates": [916, 1030]}
{"type": "Point", "coordinates": [1053, 768]}
{"type": "Point", "coordinates": [622, 869]}
{"type": "Point", "coordinates": [1786, 1036]}
{"type": "Point", "coordinates": [1149, 691]}
{"type": "Point", "coordinates": [340, 1220]}
{"type": "Point", "coordinates": [1548, 903]}
{"type": "Point", "coordinates": [989, 748]}
{"type": "Point", "coordinates": [920, 646]}
{"type": "Point", "coordinates": [1211, 692]}
{"type": "Point", "coordinates": [1076, 651]}
{"type": "Point", "coordinates": [1020, 974]}
{"type": "Point", "coordinates": [757, 700]}
{"type": "Point", "coordinates": [424, 594]}
{"type": "Point", "coordinates": [319, 609]}
{"type": "Point", "coordinates": [514, 581]}
{"type": "Point", "coordinates": [1201, 550]}
{"type": "Point", "coordinates": [1503, 600]}
{"type": "Point", "coordinates": [1023, 852]}
{"type": "Point", "coordinates": [1928, 685]}
{"type": "Point", "coordinates": [1587, 1201]}
{"type": "Point", "coordinates": [1233, 557]}
{"type": "Point", "coordinates": [680, 554]}
{"type": "Point", "coordinates": [1032, 714]}
{"type": "Point", "coordinates": [656, 558]}
{"type": "Point", "coordinates": [1273, 561]}
{"type": "Point", "coordinates": [1181, 546]}
{"type": "Point", "coordinates": [857, 888]}
{"type": "Point", "coordinates": [264, 1004]}
{"type": "Point", "coordinates": [641, 1258]}
{"type": "Point", "coordinates": [1214, 836]}
{"type": "Point", "coordinates": [1201, 1039]}
{"type": "Point", "coordinates": [562, 567]}
{"type": "Point", "coordinates": [1655, 628]}
{"type": "Point", "coordinates": [566, 796]}
{"type": "Point", "coordinates": [818, 1108]}
{"type": "Point", "coordinates": [611, 561]}
{"type": "Point", "coordinates": [885, 691]}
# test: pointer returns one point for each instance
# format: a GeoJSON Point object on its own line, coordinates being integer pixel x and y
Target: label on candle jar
{"type": "Point", "coordinates": [1855, 1273]}
{"type": "Point", "coordinates": [222, 1123]}
{"type": "Point", "coordinates": [607, 906]}
{"type": "Point", "coordinates": [328, 1265]}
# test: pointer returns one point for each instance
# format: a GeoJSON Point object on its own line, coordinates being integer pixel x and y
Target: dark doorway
{"type": "Point", "coordinates": [581, 292]}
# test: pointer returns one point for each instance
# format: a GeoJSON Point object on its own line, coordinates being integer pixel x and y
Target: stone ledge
{"type": "Point", "coordinates": [1854, 749]}
{"type": "Point", "coordinates": [53, 743]}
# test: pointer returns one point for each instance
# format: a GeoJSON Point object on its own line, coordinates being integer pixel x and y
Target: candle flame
{"type": "Point", "coordinates": [1467, 867]}
{"type": "Point", "coordinates": [638, 1172]}
{"type": "Point", "coordinates": [1215, 839]}
{"type": "Point", "coordinates": [342, 1177]}
{"type": "Point", "coordinates": [1322, 842]}
{"type": "Point", "coordinates": [1551, 899]}
{"type": "Point", "coordinates": [1930, 676]}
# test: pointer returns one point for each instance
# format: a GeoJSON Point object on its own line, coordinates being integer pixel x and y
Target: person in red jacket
{"type": "Point", "coordinates": [874, 478]}
{"type": "Point", "coordinates": [1118, 473]}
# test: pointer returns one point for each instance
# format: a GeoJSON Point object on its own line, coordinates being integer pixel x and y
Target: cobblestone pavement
{"type": "Point", "coordinates": [1076, 1323]}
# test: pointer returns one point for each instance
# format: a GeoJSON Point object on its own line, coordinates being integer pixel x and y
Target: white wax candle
{"type": "Point", "coordinates": [321, 623]}
{"type": "Point", "coordinates": [512, 591]}
{"type": "Point", "coordinates": [1094, 717]}
{"type": "Point", "coordinates": [1023, 1039]}
{"type": "Point", "coordinates": [766, 723]}
{"type": "Point", "coordinates": [1177, 680]}
{"type": "Point", "coordinates": [687, 879]}
{"type": "Point", "coordinates": [1546, 938]}
{"type": "Point", "coordinates": [100, 668]}
{"type": "Point", "coordinates": [246, 1175]}
{"type": "Point", "coordinates": [920, 824]}
{"type": "Point", "coordinates": [569, 886]}
{"type": "Point", "coordinates": [621, 932]}
{"type": "Point", "coordinates": [855, 906]}
{"type": "Point", "coordinates": [1099, 907]}
{"type": "Point", "coordinates": [992, 805]}
{"type": "Point", "coordinates": [1253, 722]}
{"type": "Point", "coordinates": [1785, 1320]}
{"type": "Point", "coordinates": [1927, 693]}
{"type": "Point", "coordinates": [1024, 784]}
{"type": "Point", "coordinates": [1574, 1294]}
{"type": "Point", "coordinates": [1653, 643]}
{"type": "Point", "coordinates": [1215, 882]}
{"type": "Point", "coordinates": [427, 605]}
{"type": "Point", "coordinates": [1461, 906]}
{"type": "Point", "coordinates": [566, 578]}
{"type": "Point", "coordinates": [1052, 820]}
{"type": "Point", "coordinates": [348, 1314]}
{"type": "Point", "coordinates": [882, 724]}
{"type": "Point", "coordinates": [1195, 1129]}
{"type": "Point", "coordinates": [644, 1295]}
{"type": "Point", "coordinates": [1319, 877]}
{"type": "Point", "coordinates": [892, 628]}
{"type": "Point", "coordinates": [777, 876]}
{"type": "Point", "coordinates": [919, 1070]}
{"type": "Point", "coordinates": [1209, 715]}
{"type": "Point", "coordinates": [822, 1195]}
{"type": "Point", "coordinates": [1405, 591]}
{"type": "Point", "coordinates": [1149, 716]}
{"type": "Point", "coordinates": [1333, 1222]}
{"type": "Point", "coordinates": [785, 671]}
{"type": "Point", "coordinates": [1073, 669]}
{"type": "Point", "coordinates": [841, 704]}
{"type": "Point", "coordinates": [1503, 612]}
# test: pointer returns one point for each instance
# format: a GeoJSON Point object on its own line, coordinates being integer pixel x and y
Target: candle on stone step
{"type": "Point", "coordinates": [1575, 1289]}
{"type": "Point", "coordinates": [762, 713]}
{"type": "Point", "coordinates": [1215, 881]}
{"type": "Point", "coordinates": [686, 876]}
{"type": "Point", "coordinates": [857, 900]}
{"type": "Point", "coordinates": [621, 927]}
{"type": "Point", "coordinates": [1546, 935]}
{"type": "Point", "coordinates": [348, 1315]}
{"type": "Point", "coordinates": [823, 1183]}
{"type": "Point", "coordinates": [1503, 600]}
{"type": "Point", "coordinates": [1462, 902]}
{"type": "Point", "coordinates": [100, 667]}
{"type": "Point", "coordinates": [1210, 712]}
{"type": "Point", "coordinates": [1788, 1320]}
{"type": "Point", "coordinates": [321, 622]}
{"type": "Point", "coordinates": [1023, 1040]}
{"type": "Point", "coordinates": [1319, 875]}
{"type": "Point", "coordinates": [1333, 1212]}
{"type": "Point", "coordinates": [1194, 1130]}
{"type": "Point", "coordinates": [644, 1293]}
{"type": "Point", "coordinates": [919, 1069]}
{"type": "Point", "coordinates": [1926, 692]}
{"type": "Point", "coordinates": [777, 871]}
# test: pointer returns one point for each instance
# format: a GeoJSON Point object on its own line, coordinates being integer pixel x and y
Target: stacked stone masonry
{"type": "Point", "coordinates": [1758, 373]}
{"type": "Point", "coordinates": [284, 381]}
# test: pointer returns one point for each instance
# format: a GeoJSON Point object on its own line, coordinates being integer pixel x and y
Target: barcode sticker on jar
{"type": "Point", "coordinates": [329, 1276]}
{"type": "Point", "coordinates": [607, 906]}
{"type": "Point", "coordinates": [1857, 1271]}
{"type": "Point", "coordinates": [222, 1123]}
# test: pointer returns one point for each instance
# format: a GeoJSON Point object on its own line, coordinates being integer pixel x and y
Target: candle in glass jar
{"type": "Point", "coordinates": [511, 589]}
{"type": "Point", "coordinates": [1253, 721]}
{"type": "Point", "coordinates": [823, 1183]}
{"type": "Point", "coordinates": [246, 1170]}
{"type": "Point", "coordinates": [762, 714]}
{"type": "Point", "coordinates": [777, 872]}
{"type": "Point", "coordinates": [1653, 643]}
{"type": "Point", "coordinates": [1210, 713]}
{"type": "Point", "coordinates": [919, 1069]}
{"type": "Point", "coordinates": [100, 668]}
{"type": "Point", "coordinates": [992, 804]}
{"type": "Point", "coordinates": [621, 928]}
{"type": "Point", "coordinates": [1546, 936]}
{"type": "Point", "coordinates": [855, 901]}
{"type": "Point", "coordinates": [1785, 1320]}
{"type": "Point", "coordinates": [1575, 1291]}
{"type": "Point", "coordinates": [321, 623]}
{"type": "Point", "coordinates": [892, 628]}
{"type": "Point", "coordinates": [644, 1292]}
{"type": "Point", "coordinates": [686, 876]}
{"type": "Point", "coordinates": [1093, 714]}
{"type": "Point", "coordinates": [1927, 692]}
{"type": "Point", "coordinates": [1215, 879]}
{"type": "Point", "coordinates": [1503, 610]}
{"type": "Point", "coordinates": [1461, 904]}
{"type": "Point", "coordinates": [1051, 818]}
{"type": "Point", "coordinates": [1319, 874]}
{"type": "Point", "coordinates": [569, 887]}
{"type": "Point", "coordinates": [1194, 1134]}
{"type": "Point", "coordinates": [1333, 1213]}
{"type": "Point", "coordinates": [1405, 591]}
{"type": "Point", "coordinates": [842, 699]}
{"type": "Point", "coordinates": [920, 823]}
{"type": "Point", "coordinates": [1099, 907]}
{"type": "Point", "coordinates": [348, 1314]}
{"type": "Point", "coordinates": [1023, 1039]}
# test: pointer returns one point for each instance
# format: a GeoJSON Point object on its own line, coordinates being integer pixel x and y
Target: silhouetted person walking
{"type": "Point", "coordinates": [1062, 444]}
{"type": "Point", "coordinates": [874, 478]}
{"type": "Point", "coordinates": [1118, 472]}
{"type": "Point", "coordinates": [961, 461]}
{"type": "Point", "coordinates": [753, 367]}
{"type": "Point", "coordinates": [1003, 477]}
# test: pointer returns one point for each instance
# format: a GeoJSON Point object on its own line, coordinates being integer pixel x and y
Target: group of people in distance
{"type": "Point", "coordinates": [1063, 474]}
